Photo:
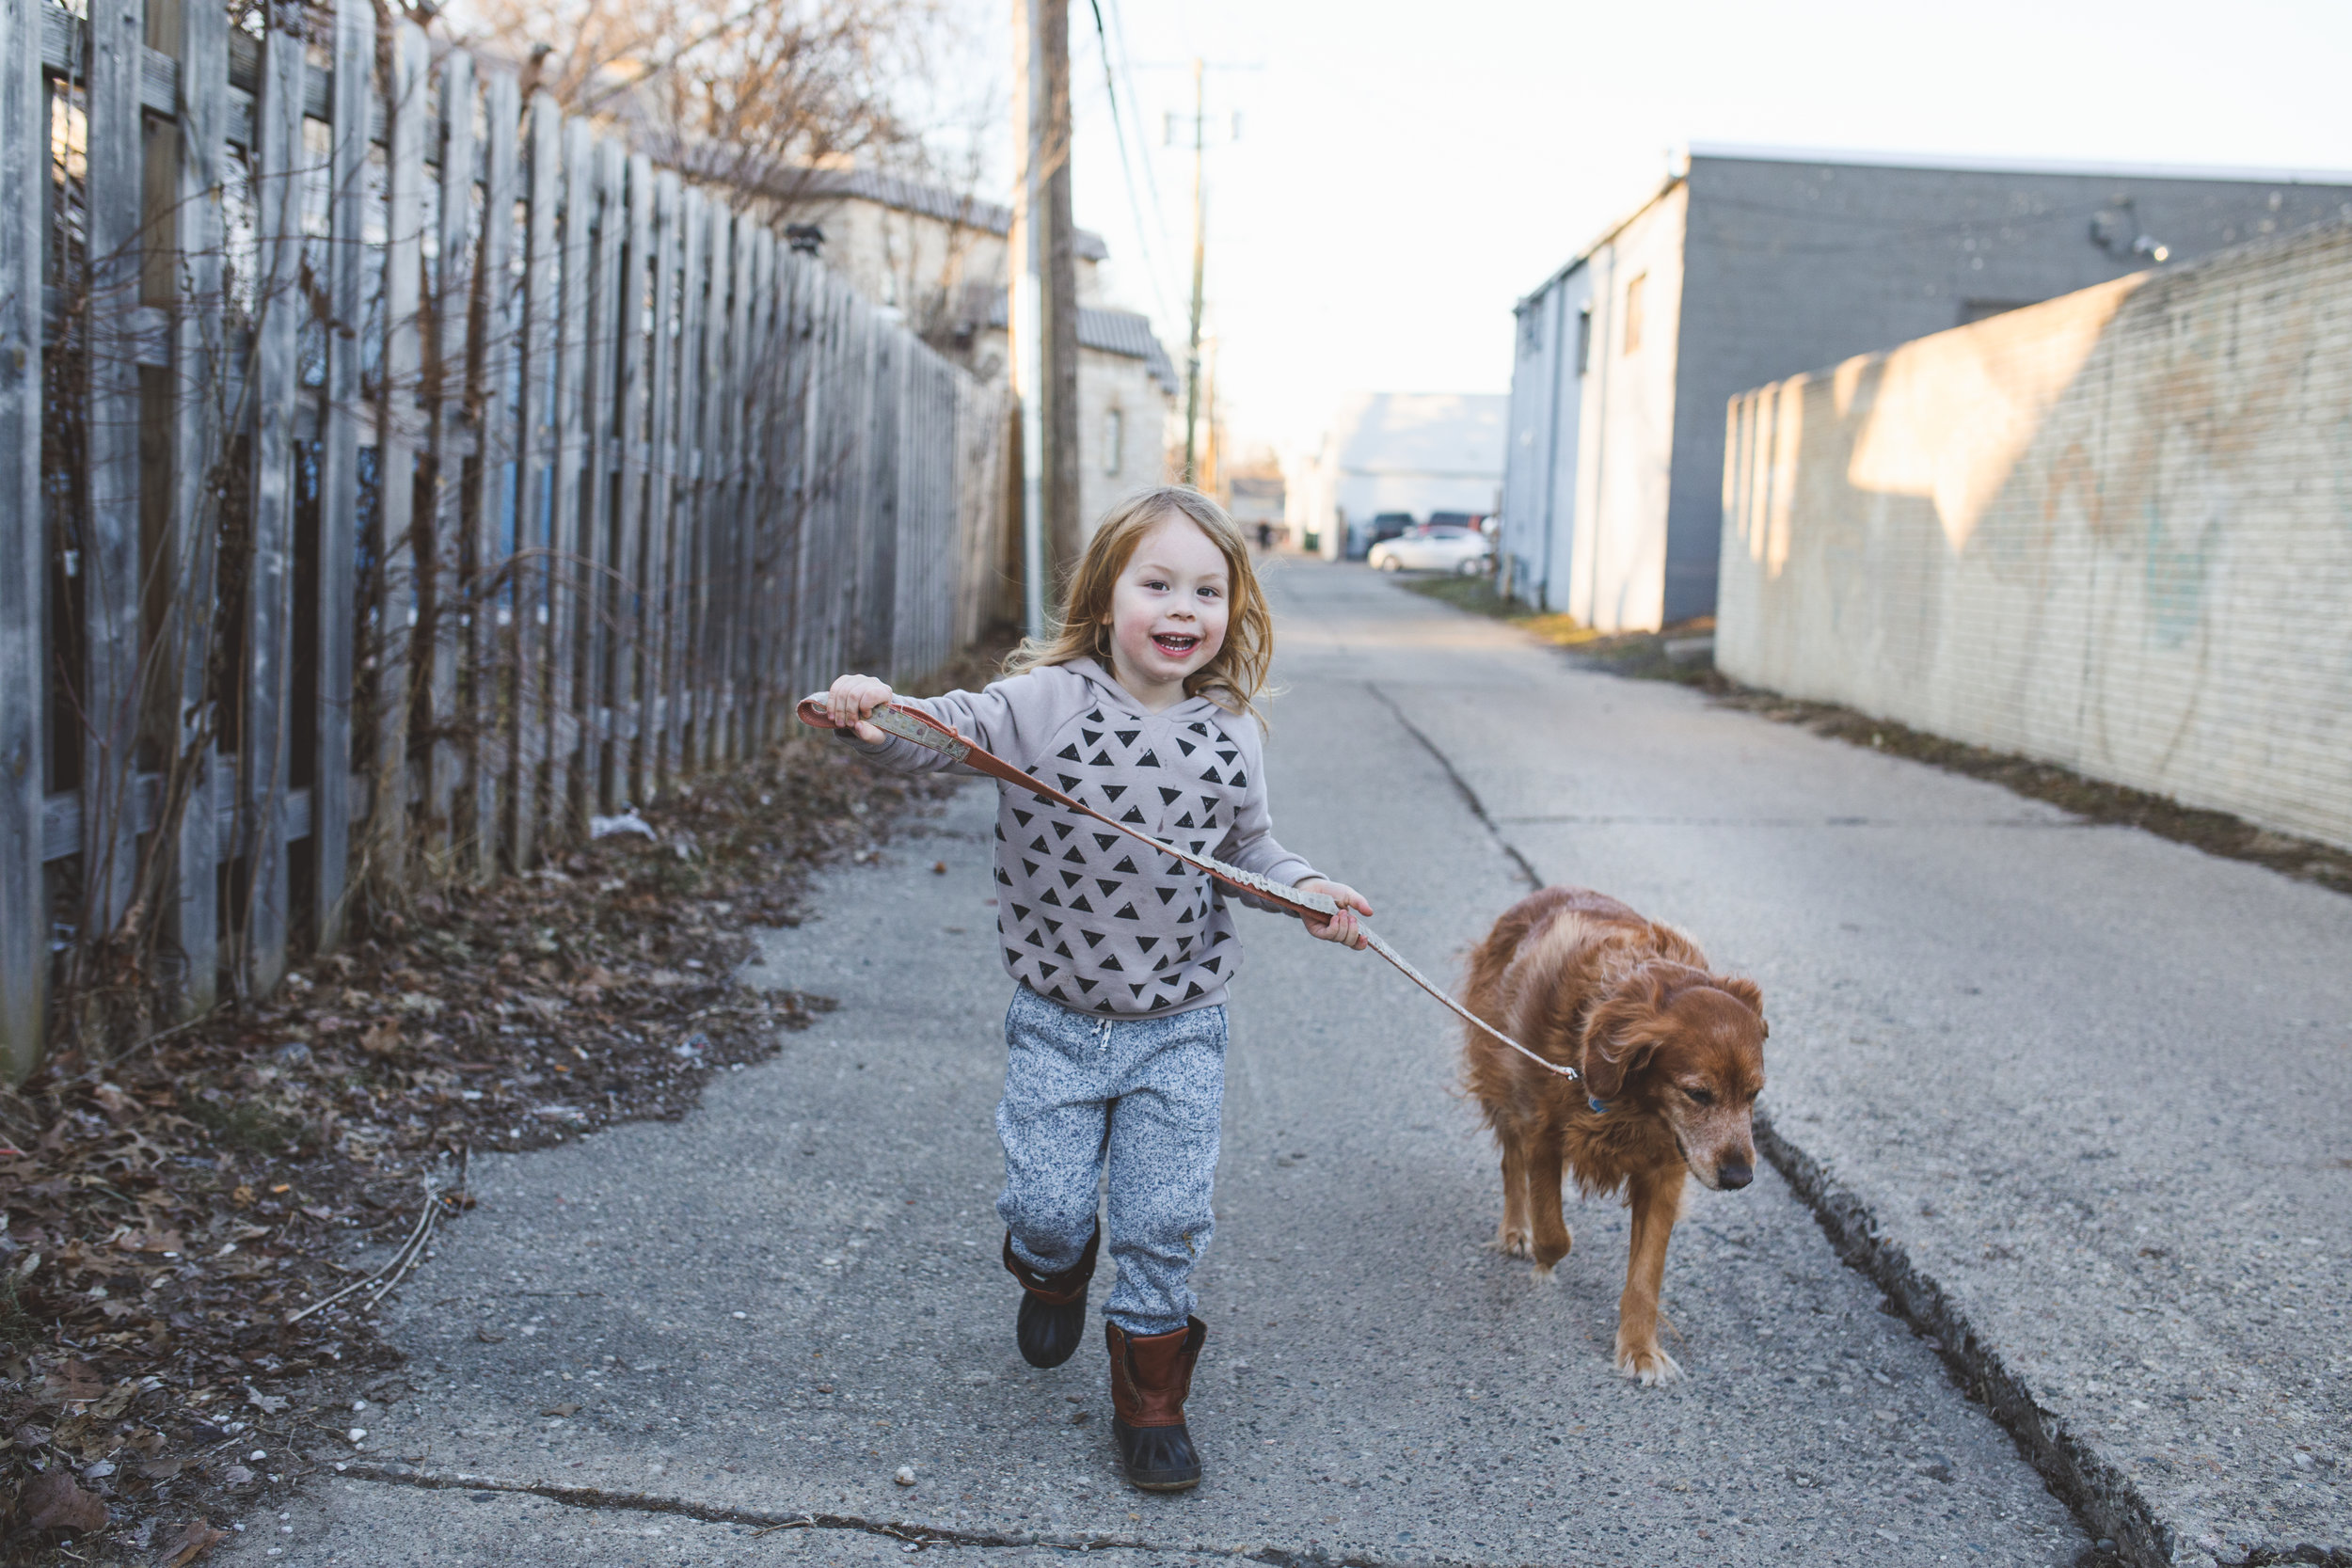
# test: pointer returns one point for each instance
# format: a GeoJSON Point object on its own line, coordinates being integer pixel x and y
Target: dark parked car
{"type": "Point", "coordinates": [1381, 526]}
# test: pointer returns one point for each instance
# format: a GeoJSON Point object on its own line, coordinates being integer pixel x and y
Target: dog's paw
{"type": "Point", "coordinates": [1647, 1363]}
{"type": "Point", "coordinates": [1513, 1243]}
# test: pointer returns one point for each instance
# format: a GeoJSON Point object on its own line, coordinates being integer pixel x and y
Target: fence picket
{"type": "Point", "coordinates": [826, 483]}
{"type": "Point", "coordinates": [332, 803]}
{"type": "Point", "coordinates": [685, 580]}
{"type": "Point", "coordinates": [440, 595]}
{"type": "Point", "coordinates": [759, 531]}
{"type": "Point", "coordinates": [808, 390]}
{"type": "Point", "coordinates": [657, 717]}
{"type": "Point", "coordinates": [537, 427]}
{"type": "Point", "coordinates": [199, 373]}
{"type": "Point", "coordinates": [636, 274]}
{"type": "Point", "coordinates": [23, 545]}
{"type": "Point", "coordinates": [708, 487]}
{"type": "Point", "coordinates": [269, 572]}
{"type": "Point", "coordinates": [724, 544]}
{"type": "Point", "coordinates": [596, 565]}
{"type": "Point", "coordinates": [564, 534]}
{"type": "Point", "coordinates": [488, 586]}
{"type": "Point", "coordinates": [106, 555]}
{"type": "Point", "coordinates": [408, 112]}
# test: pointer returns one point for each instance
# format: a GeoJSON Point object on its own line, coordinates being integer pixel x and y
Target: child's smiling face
{"type": "Point", "coordinates": [1169, 610]}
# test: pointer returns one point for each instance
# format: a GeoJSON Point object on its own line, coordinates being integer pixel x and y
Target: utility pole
{"type": "Point", "coordinates": [1044, 304]}
{"type": "Point", "coordinates": [1199, 216]}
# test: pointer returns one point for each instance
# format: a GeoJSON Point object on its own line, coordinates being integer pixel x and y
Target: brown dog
{"type": "Point", "coordinates": [1671, 1057]}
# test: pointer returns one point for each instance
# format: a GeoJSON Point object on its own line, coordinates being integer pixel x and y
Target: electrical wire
{"type": "Point", "coordinates": [1126, 169]}
{"type": "Point", "coordinates": [1151, 180]}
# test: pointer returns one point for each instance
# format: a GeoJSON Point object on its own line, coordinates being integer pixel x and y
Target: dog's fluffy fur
{"type": "Point", "coordinates": [1674, 1050]}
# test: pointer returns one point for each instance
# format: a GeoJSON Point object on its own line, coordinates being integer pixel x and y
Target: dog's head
{"type": "Point", "coordinates": [1689, 1047]}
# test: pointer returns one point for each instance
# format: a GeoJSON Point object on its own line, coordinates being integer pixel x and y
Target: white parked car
{"type": "Point", "coordinates": [1440, 548]}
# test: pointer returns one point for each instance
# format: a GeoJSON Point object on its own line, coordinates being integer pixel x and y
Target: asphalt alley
{"type": "Point", "coordinates": [760, 1314]}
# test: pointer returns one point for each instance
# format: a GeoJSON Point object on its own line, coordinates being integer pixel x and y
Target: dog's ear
{"type": "Point", "coordinates": [1748, 996]}
{"type": "Point", "coordinates": [1621, 1033]}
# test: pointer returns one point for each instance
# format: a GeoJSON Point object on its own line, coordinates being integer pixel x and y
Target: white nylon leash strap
{"type": "Point", "coordinates": [914, 725]}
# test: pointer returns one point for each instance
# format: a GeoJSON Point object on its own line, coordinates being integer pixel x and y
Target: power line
{"type": "Point", "coordinates": [1126, 169]}
{"type": "Point", "coordinates": [1151, 180]}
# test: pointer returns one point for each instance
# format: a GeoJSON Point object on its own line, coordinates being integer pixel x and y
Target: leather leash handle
{"type": "Point", "coordinates": [912, 723]}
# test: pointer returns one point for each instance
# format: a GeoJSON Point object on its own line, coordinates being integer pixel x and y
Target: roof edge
{"type": "Point", "coordinates": [1964, 164]}
{"type": "Point", "coordinates": [1665, 187]}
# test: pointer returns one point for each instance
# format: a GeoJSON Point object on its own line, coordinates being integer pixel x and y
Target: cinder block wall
{"type": "Point", "coordinates": [2113, 530]}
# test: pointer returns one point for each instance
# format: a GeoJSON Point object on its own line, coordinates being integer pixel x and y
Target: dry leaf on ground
{"type": "Point", "coordinates": [52, 1501]}
{"type": "Point", "coordinates": [192, 1542]}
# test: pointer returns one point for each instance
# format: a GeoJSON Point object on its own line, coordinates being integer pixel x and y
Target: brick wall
{"type": "Point", "coordinates": [2113, 530]}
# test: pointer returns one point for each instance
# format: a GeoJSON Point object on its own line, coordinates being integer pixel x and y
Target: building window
{"type": "Point", "coordinates": [1584, 339]}
{"type": "Point", "coordinates": [1114, 433]}
{"type": "Point", "coordinates": [1633, 311]}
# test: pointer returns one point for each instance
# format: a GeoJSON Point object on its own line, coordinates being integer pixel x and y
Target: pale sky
{"type": "Point", "coordinates": [1407, 170]}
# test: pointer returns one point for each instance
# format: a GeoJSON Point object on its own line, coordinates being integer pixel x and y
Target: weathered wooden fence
{"type": "Point", "coordinates": [393, 472]}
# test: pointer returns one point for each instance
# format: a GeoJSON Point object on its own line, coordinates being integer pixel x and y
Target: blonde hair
{"type": "Point", "coordinates": [1236, 676]}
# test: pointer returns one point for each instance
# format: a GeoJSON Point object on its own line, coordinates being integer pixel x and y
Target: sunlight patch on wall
{"type": "Point", "coordinates": [1947, 416]}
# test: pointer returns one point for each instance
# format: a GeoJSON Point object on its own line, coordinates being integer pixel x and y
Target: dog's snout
{"type": "Point", "coordinates": [1732, 1175]}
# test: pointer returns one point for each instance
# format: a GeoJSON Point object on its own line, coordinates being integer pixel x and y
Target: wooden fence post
{"type": "Point", "coordinates": [694, 265]}
{"type": "Point", "coordinates": [199, 375]}
{"type": "Point", "coordinates": [710, 467]}
{"type": "Point", "coordinates": [269, 573]}
{"type": "Point", "coordinates": [657, 717]}
{"type": "Point", "coordinates": [408, 115]}
{"type": "Point", "coordinates": [807, 390]}
{"type": "Point", "coordinates": [757, 525]}
{"type": "Point", "coordinates": [565, 537]}
{"type": "Point", "coordinates": [440, 591]}
{"type": "Point", "coordinates": [623, 688]}
{"type": "Point", "coordinates": [490, 584]}
{"type": "Point", "coordinates": [537, 479]}
{"type": "Point", "coordinates": [107, 557]}
{"type": "Point", "coordinates": [339, 467]}
{"type": "Point", "coordinates": [733, 507]}
{"type": "Point", "coordinates": [607, 443]}
{"type": "Point", "coordinates": [23, 545]}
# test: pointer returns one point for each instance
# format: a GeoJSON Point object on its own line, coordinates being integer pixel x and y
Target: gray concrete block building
{"type": "Point", "coordinates": [1748, 264]}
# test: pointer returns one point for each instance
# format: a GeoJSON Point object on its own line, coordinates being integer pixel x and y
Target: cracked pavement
{"type": "Point", "coordinates": [708, 1328]}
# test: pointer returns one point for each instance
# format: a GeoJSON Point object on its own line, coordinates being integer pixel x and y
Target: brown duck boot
{"type": "Point", "coordinates": [1150, 1376]}
{"type": "Point", "coordinates": [1053, 1306]}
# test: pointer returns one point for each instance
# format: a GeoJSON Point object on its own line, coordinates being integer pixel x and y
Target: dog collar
{"type": "Point", "coordinates": [1600, 1107]}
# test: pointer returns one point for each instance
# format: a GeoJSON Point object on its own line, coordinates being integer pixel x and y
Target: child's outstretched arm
{"type": "Point", "coordinates": [1004, 718]}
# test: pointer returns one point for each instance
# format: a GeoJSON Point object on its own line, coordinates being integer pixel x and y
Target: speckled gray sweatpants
{"type": "Point", "coordinates": [1142, 1096]}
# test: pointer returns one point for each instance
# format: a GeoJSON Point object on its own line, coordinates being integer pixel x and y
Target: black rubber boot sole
{"type": "Point", "coordinates": [1158, 1459]}
{"type": "Point", "coordinates": [1049, 1336]}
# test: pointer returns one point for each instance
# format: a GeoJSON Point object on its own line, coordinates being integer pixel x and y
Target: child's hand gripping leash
{"type": "Point", "coordinates": [910, 723]}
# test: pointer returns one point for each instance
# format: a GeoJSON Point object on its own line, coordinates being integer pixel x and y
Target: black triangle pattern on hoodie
{"type": "Point", "coordinates": [1136, 902]}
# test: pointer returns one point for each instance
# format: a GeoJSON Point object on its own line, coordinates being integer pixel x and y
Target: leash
{"type": "Point", "coordinates": [911, 723]}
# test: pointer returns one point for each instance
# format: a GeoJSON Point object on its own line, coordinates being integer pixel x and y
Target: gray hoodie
{"type": "Point", "coordinates": [1088, 917]}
